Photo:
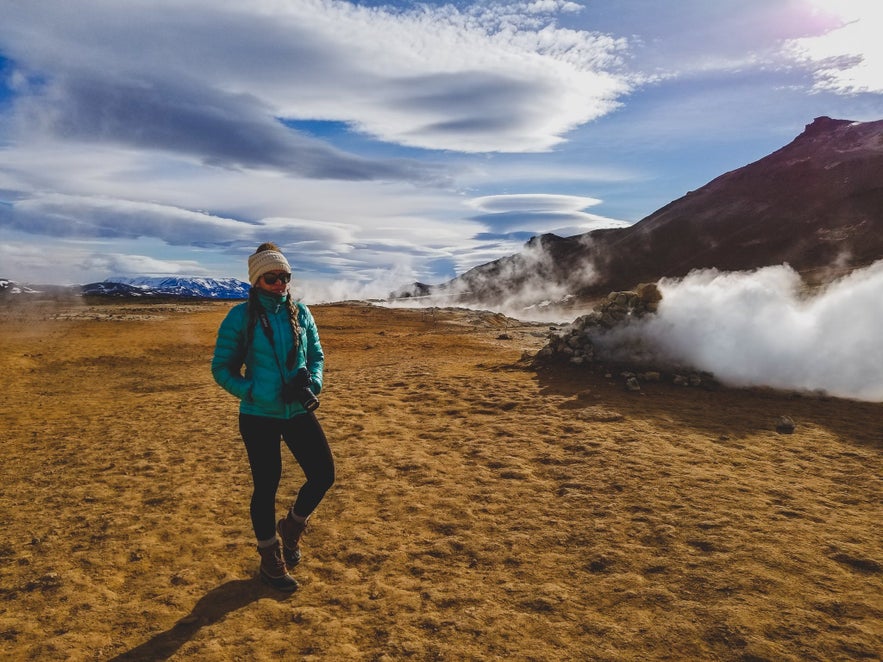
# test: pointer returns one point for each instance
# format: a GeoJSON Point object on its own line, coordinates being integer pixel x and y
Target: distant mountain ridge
{"type": "Point", "coordinates": [141, 287]}
{"type": "Point", "coordinates": [177, 286]}
{"type": "Point", "coordinates": [816, 204]}
{"type": "Point", "coordinates": [11, 287]}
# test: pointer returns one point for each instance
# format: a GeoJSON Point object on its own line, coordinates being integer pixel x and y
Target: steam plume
{"type": "Point", "coordinates": [763, 329]}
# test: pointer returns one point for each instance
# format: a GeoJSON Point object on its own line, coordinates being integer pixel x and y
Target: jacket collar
{"type": "Point", "coordinates": [270, 302]}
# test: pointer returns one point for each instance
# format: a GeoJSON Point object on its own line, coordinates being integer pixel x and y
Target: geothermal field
{"type": "Point", "coordinates": [483, 510]}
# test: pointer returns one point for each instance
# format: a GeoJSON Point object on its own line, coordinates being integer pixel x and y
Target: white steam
{"type": "Point", "coordinates": [374, 285]}
{"type": "Point", "coordinates": [526, 286]}
{"type": "Point", "coordinates": [762, 329]}
{"type": "Point", "coordinates": [759, 328]}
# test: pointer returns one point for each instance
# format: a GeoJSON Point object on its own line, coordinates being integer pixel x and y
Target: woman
{"type": "Point", "coordinates": [277, 341]}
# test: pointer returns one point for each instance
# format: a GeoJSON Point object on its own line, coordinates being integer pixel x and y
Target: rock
{"type": "Point", "coordinates": [785, 425]}
{"type": "Point", "coordinates": [649, 294]}
{"type": "Point", "coordinates": [585, 343]}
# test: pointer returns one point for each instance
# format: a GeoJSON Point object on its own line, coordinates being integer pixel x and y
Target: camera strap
{"type": "Point", "coordinates": [265, 325]}
{"type": "Point", "coordinates": [268, 331]}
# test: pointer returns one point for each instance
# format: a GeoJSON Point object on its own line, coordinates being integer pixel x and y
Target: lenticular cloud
{"type": "Point", "coordinates": [762, 328]}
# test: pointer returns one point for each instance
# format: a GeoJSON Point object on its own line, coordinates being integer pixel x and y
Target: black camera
{"type": "Point", "coordinates": [299, 389]}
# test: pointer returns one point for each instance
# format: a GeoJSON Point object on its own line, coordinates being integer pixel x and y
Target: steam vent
{"type": "Point", "coordinates": [600, 342]}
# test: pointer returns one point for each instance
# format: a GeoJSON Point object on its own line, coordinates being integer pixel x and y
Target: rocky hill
{"type": "Point", "coordinates": [816, 204]}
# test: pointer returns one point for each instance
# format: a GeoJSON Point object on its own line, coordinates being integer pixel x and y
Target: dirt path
{"type": "Point", "coordinates": [481, 511]}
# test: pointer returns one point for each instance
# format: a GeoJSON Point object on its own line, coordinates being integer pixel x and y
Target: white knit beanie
{"type": "Point", "coordinates": [261, 263]}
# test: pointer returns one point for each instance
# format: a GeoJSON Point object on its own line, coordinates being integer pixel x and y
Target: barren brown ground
{"type": "Point", "coordinates": [482, 510]}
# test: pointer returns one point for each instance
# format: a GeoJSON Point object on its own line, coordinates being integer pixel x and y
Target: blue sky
{"type": "Point", "coordinates": [383, 143]}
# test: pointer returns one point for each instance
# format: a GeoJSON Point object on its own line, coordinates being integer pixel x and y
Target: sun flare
{"type": "Point", "coordinates": [848, 10]}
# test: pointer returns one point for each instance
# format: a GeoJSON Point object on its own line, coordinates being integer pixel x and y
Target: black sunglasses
{"type": "Point", "coordinates": [270, 279]}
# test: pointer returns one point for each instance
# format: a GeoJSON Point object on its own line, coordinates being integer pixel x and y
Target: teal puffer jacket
{"type": "Point", "coordinates": [260, 389]}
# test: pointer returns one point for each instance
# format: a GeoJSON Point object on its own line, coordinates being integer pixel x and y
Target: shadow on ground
{"type": "Point", "coordinates": [720, 410]}
{"type": "Point", "coordinates": [211, 608]}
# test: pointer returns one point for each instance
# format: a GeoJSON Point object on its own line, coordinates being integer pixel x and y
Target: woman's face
{"type": "Point", "coordinates": [274, 282]}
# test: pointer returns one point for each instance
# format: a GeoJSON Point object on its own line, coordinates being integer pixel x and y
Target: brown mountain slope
{"type": "Point", "coordinates": [816, 204]}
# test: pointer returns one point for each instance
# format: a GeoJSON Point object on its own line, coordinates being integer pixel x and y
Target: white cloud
{"type": "Point", "coordinates": [538, 202]}
{"type": "Point", "coordinates": [122, 265]}
{"type": "Point", "coordinates": [166, 122]}
{"type": "Point", "coordinates": [373, 241]}
{"type": "Point", "coordinates": [92, 217]}
{"type": "Point", "coordinates": [56, 261]}
{"type": "Point", "coordinates": [128, 121]}
{"type": "Point", "coordinates": [60, 215]}
{"type": "Point", "coordinates": [539, 213]}
{"type": "Point", "coordinates": [497, 78]}
{"type": "Point", "coordinates": [525, 170]}
{"type": "Point", "coordinates": [849, 58]}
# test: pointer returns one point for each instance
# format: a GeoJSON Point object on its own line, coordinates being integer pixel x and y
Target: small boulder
{"type": "Point", "coordinates": [785, 425]}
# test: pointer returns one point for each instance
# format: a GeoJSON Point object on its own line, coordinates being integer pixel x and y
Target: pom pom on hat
{"type": "Point", "coordinates": [264, 261]}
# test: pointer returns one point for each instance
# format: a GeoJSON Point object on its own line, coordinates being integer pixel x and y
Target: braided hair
{"type": "Point", "coordinates": [254, 311]}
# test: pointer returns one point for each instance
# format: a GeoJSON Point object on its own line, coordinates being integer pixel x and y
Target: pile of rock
{"type": "Point", "coordinates": [581, 343]}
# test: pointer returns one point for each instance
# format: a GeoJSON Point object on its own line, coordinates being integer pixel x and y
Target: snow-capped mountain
{"type": "Point", "coordinates": [139, 287]}
{"type": "Point", "coordinates": [172, 286]}
{"type": "Point", "coordinates": [11, 287]}
{"type": "Point", "coordinates": [109, 289]}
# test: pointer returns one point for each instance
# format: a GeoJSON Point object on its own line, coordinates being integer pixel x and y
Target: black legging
{"type": "Point", "coordinates": [305, 439]}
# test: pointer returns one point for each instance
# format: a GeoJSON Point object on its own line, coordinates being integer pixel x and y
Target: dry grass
{"type": "Point", "coordinates": [482, 510]}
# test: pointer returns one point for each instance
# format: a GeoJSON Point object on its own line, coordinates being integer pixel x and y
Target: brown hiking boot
{"type": "Point", "coordinates": [273, 570]}
{"type": "Point", "coordinates": [291, 531]}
